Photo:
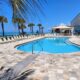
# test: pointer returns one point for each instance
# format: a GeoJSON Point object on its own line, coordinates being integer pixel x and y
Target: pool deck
{"type": "Point", "coordinates": [9, 55]}
{"type": "Point", "coordinates": [75, 40]}
{"type": "Point", "coordinates": [46, 66]}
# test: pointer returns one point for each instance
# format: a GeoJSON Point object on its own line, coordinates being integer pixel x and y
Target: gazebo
{"type": "Point", "coordinates": [63, 30]}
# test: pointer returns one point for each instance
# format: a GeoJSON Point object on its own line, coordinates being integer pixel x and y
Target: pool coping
{"type": "Point", "coordinates": [26, 42]}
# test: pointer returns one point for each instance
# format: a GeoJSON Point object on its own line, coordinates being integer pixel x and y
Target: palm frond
{"type": "Point", "coordinates": [3, 19]}
{"type": "Point", "coordinates": [31, 24]}
{"type": "Point", "coordinates": [22, 26]}
{"type": "Point", "coordinates": [26, 8]}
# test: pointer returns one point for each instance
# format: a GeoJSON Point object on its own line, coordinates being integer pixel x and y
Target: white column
{"type": "Point", "coordinates": [72, 31]}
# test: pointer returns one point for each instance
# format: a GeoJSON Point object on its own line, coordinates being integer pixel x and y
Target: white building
{"type": "Point", "coordinates": [63, 29]}
{"type": "Point", "coordinates": [76, 23]}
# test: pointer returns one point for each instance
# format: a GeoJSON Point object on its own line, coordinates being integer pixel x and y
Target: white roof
{"type": "Point", "coordinates": [62, 27]}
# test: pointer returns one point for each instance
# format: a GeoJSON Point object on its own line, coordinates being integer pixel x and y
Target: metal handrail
{"type": "Point", "coordinates": [39, 45]}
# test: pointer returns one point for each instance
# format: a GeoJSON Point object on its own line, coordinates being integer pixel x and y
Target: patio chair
{"type": "Point", "coordinates": [15, 37]}
{"type": "Point", "coordinates": [1, 40]}
{"type": "Point", "coordinates": [8, 39]}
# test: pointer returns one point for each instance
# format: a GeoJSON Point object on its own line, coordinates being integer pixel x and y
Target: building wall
{"type": "Point", "coordinates": [76, 22]}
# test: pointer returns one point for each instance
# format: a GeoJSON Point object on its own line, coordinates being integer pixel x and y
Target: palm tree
{"type": "Point", "coordinates": [21, 8]}
{"type": "Point", "coordinates": [19, 21]}
{"type": "Point", "coordinates": [31, 25]}
{"type": "Point", "coordinates": [22, 27]}
{"type": "Point", "coordinates": [39, 25]}
{"type": "Point", "coordinates": [42, 30]}
{"type": "Point", "coordinates": [2, 20]}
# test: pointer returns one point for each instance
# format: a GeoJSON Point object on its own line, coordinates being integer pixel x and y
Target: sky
{"type": "Point", "coordinates": [56, 12]}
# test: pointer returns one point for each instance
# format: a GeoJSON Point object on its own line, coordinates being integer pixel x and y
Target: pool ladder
{"type": "Point", "coordinates": [39, 45]}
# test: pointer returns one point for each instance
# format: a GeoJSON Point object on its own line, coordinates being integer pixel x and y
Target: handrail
{"type": "Point", "coordinates": [39, 45]}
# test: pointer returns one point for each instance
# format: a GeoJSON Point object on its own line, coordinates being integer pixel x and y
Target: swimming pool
{"type": "Point", "coordinates": [50, 45]}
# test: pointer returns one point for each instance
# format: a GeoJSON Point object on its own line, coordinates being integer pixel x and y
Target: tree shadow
{"type": "Point", "coordinates": [24, 75]}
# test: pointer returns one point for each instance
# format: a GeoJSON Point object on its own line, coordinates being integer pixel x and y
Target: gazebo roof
{"type": "Point", "coordinates": [62, 27]}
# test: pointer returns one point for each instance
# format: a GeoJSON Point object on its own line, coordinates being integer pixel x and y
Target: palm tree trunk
{"type": "Point", "coordinates": [42, 31]}
{"type": "Point", "coordinates": [2, 28]}
{"type": "Point", "coordinates": [13, 13]}
{"type": "Point", "coordinates": [32, 30]}
{"type": "Point", "coordinates": [18, 28]}
{"type": "Point", "coordinates": [22, 32]}
{"type": "Point", "coordinates": [39, 29]}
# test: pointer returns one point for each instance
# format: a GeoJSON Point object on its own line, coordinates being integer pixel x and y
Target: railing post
{"type": "Point", "coordinates": [32, 49]}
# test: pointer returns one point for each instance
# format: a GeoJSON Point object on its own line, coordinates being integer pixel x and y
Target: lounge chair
{"type": "Point", "coordinates": [6, 38]}
{"type": "Point", "coordinates": [18, 37]}
{"type": "Point", "coordinates": [22, 36]}
{"type": "Point", "coordinates": [9, 39]}
{"type": "Point", "coordinates": [25, 36]}
{"type": "Point", "coordinates": [1, 40]}
{"type": "Point", "coordinates": [12, 38]}
{"type": "Point", "coordinates": [15, 37]}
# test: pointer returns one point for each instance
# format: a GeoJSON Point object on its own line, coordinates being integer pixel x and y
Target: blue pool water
{"type": "Point", "coordinates": [50, 45]}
